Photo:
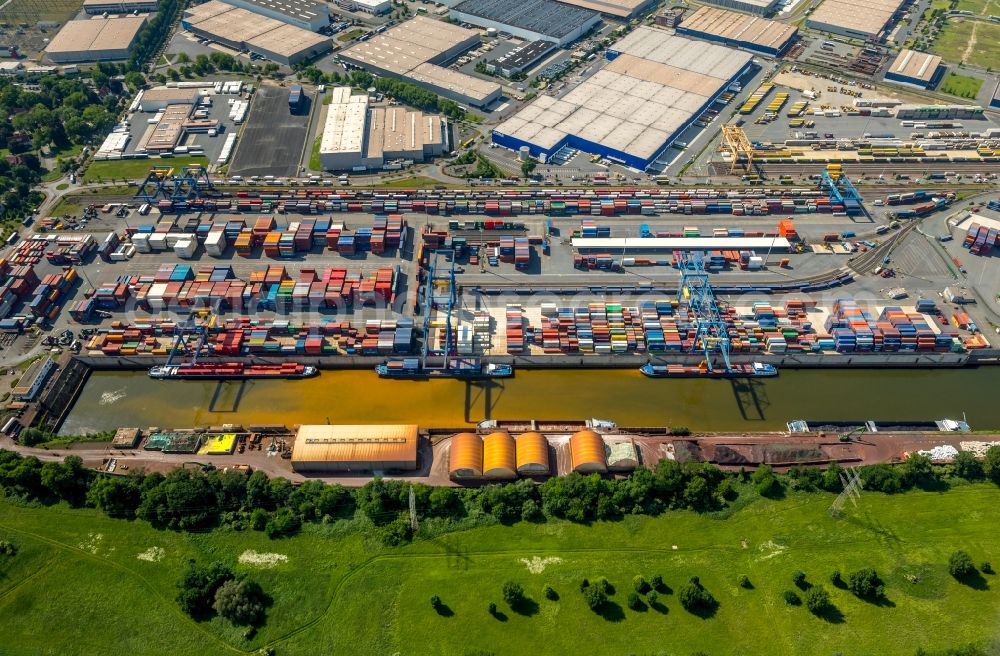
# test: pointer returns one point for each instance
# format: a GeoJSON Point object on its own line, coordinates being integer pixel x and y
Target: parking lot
{"type": "Point", "coordinates": [273, 140]}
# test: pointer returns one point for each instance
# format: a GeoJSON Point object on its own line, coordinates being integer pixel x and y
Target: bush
{"type": "Point", "coordinates": [8, 548]}
{"type": "Point", "coordinates": [652, 597]}
{"type": "Point", "coordinates": [694, 597]}
{"type": "Point", "coordinates": [744, 582]}
{"type": "Point", "coordinates": [960, 565]}
{"type": "Point", "coordinates": [584, 584]}
{"type": "Point", "coordinates": [240, 601]}
{"type": "Point", "coordinates": [435, 601]}
{"type": "Point", "coordinates": [283, 523]}
{"type": "Point", "coordinates": [817, 600]}
{"type": "Point", "coordinates": [866, 584]}
{"type": "Point", "coordinates": [513, 593]}
{"type": "Point", "coordinates": [633, 601]}
{"type": "Point", "coordinates": [656, 582]}
{"type": "Point", "coordinates": [639, 584]}
{"type": "Point", "coordinates": [836, 579]}
{"type": "Point", "coordinates": [986, 567]}
{"type": "Point", "coordinates": [550, 593]}
{"type": "Point", "coordinates": [198, 587]}
{"type": "Point", "coordinates": [595, 597]}
{"type": "Point", "coordinates": [492, 608]}
{"type": "Point", "coordinates": [792, 599]}
{"type": "Point", "coordinates": [766, 482]}
{"type": "Point", "coordinates": [799, 579]}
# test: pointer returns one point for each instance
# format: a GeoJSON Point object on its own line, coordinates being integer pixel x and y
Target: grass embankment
{"type": "Point", "coordinates": [84, 583]}
{"type": "Point", "coordinates": [954, 40]}
{"type": "Point", "coordinates": [351, 34]}
{"type": "Point", "coordinates": [962, 86]}
{"type": "Point", "coordinates": [135, 169]}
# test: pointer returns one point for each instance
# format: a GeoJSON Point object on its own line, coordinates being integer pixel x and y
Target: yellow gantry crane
{"type": "Point", "coordinates": [735, 141]}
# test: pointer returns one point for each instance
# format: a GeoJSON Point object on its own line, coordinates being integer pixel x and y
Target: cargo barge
{"type": "Point", "coordinates": [231, 371]}
{"type": "Point", "coordinates": [752, 370]}
{"type": "Point", "coordinates": [410, 369]}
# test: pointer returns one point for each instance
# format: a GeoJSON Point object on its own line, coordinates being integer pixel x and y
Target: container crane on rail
{"type": "Point", "coordinates": [162, 182]}
{"type": "Point", "coordinates": [440, 293]}
{"type": "Point", "coordinates": [835, 181]}
{"type": "Point", "coordinates": [711, 334]}
{"type": "Point", "coordinates": [187, 327]}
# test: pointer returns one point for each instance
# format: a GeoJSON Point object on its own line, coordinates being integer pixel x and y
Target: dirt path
{"type": "Point", "coordinates": [971, 48]}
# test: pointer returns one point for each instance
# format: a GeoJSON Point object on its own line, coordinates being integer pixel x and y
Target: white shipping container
{"type": "Point", "coordinates": [158, 241]}
{"type": "Point", "coordinates": [215, 243]}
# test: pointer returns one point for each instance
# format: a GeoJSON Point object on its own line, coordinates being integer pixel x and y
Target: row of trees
{"type": "Point", "coordinates": [188, 499]}
{"type": "Point", "coordinates": [153, 34]}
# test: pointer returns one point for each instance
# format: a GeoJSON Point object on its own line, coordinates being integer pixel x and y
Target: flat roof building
{"type": "Point", "coordinates": [359, 134]}
{"type": "Point", "coordinates": [157, 98]}
{"type": "Point", "coordinates": [34, 379]}
{"type": "Point", "coordinates": [375, 7]}
{"type": "Point", "coordinates": [615, 8]}
{"type": "Point", "coordinates": [245, 30]}
{"type": "Point", "coordinates": [534, 20]}
{"type": "Point", "coordinates": [654, 87]}
{"type": "Point", "coordinates": [867, 20]}
{"type": "Point", "coordinates": [756, 7]}
{"type": "Point", "coordinates": [739, 30]}
{"type": "Point", "coordinates": [119, 6]}
{"type": "Point", "coordinates": [520, 58]}
{"type": "Point", "coordinates": [95, 39]}
{"type": "Point", "coordinates": [345, 448]}
{"type": "Point", "coordinates": [166, 134]}
{"type": "Point", "coordinates": [917, 69]}
{"type": "Point", "coordinates": [415, 50]}
{"type": "Point", "coordinates": [307, 14]}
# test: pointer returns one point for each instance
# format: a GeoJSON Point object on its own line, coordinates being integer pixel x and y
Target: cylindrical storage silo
{"type": "Point", "coordinates": [465, 456]}
{"type": "Point", "coordinates": [498, 456]}
{"type": "Point", "coordinates": [587, 451]}
{"type": "Point", "coordinates": [532, 451]}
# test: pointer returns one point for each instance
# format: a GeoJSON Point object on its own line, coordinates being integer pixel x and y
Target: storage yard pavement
{"type": "Point", "coordinates": [273, 140]}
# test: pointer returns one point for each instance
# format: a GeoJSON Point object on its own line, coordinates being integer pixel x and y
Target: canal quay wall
{"type": "Point", "coordinates": [562, 361]}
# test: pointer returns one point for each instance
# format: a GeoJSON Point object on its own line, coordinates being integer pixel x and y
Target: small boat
{"type": "Point", "coordinates": [410, 369]}
{"type": "Point", "coordinates": [231, 371]}
{"type": "Point", "coordinates": [752, 370]}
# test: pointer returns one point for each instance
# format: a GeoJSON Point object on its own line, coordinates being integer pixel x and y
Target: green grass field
{"type": "Point", "coordinates": [962, 86]}
{"type": "Point", "coordinates": [954, 40]}
{"type": "Point", "coordinates": [135, 169]}
{"type": "Point", "coordinates": [83, 583]}
{"type": "Point", "coordinates": [314, 162]}
{"type": "Point", "coordinates": [33, 11]}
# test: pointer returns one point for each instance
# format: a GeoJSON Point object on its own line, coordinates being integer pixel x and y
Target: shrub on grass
{"type": "Point", "coordinates": [744, 582]}
{"type": "Point", "coordinates": [640, 584]}
{"type": "Point", "coordinates": [836, 579]}
{"type": "Point", "coordinates": [791, 598]}
{"type": "Point", "coordinates": [866, 584]}
{"type": "Point", "coordinates": [512, 593]}
{"type": "Point", "coordinates": [694, 597]}
{"type": "Point", "coordinates": [435, 601]}
{"type": "Point", "coordinates": [595, 597]}
{"type": "Point", "coordinates": [817, 600]}
{"type": "Point", "coordinates": [633, 600]}
{"type": "Point", "coordinates": [960, 565]}
{"type": "Point", "coordinates": [550, 593]}
{"type": "Point", "coordinates": [492, 608]}
{"type": "Point", "coordinates": [799, 579]}
{"type": "Point", "coordinates": [8, 548]}
{"type": "Point", "coordinates": [656, 582]}
{"type": "Point", "coordinates": [986, 567]}
{"type": "Point", "coordinates": [240, 601]}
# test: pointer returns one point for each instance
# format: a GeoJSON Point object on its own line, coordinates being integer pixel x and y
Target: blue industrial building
{"type": "Point", "coordinates": [626, 142]}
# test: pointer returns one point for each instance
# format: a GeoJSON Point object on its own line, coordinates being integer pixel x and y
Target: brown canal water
{"type": "Point", "coordinates": [112, 399]}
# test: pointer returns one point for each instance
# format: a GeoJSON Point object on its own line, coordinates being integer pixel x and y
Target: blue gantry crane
{"type": "Point", "coordinates": [835, 181]}
{"type": "Point", "coordinates": [161, 182]}
{"type": "Point", "coordinates": [183, 329]}
{"type": "Point", "coordinates": [440, 293]}
{"type": "Point", "coordinates": [711, 333]}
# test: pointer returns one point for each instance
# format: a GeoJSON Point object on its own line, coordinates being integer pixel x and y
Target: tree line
{"type": "Point", "coordinates": [195, 499]}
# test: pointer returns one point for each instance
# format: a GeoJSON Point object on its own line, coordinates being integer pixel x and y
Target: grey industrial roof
{"type": "Point", "coordinates": [116, 33]}
{"type": "Point", "coordinates": [735, 26]}
{"type": "Point", "coordinates": [306, 10]}
{"type": "Point", "coordinates": [238, 25]}
{"type": "Point", "coordinates": [866, 16]}
{"type": "Point", "coordinates": [524, 55]}
{"type": "Point", "coordinates": [636, 102]}
{"type": "Point", "coordinates": [547, 17]}
{"type": "Point", "coordinates": [620, 8]}
{"type": "Point", "coordinates": [915, 65]}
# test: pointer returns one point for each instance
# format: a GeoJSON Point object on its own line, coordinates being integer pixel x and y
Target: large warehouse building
{"type": "Point", "coordinates": [630, 111]}
{"type": "Point", "coordinates": [245, 30]}
{"type": "Point", "coordinates": [615, 8]}
{"type": "Point", "coordinates": [739, 30]}
{"type": "Point", "coordinates": [917, 69]}
{"type": "Point", "coordinates": [867, 20]}
{"type": "Point", "coordinates": [95, 39]}
{"type": "Point", "coordinates": [359, 134]}
{"type": "Point", "coordinates": [307, 14]}
{"type": "Point", "coordinates": [97, 7]}
{"type": "Point", "coordinates": [534, 20]}
{"type": "Point", "coordinates": [415, 50]}
{"type": "Point", "coordinates": [756, 7]}
{"type": "Point", "coordinates": [325, 448]}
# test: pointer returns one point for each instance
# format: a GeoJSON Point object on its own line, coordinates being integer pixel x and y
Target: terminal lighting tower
{"type": "Point", "coordinates": [711, 334]}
